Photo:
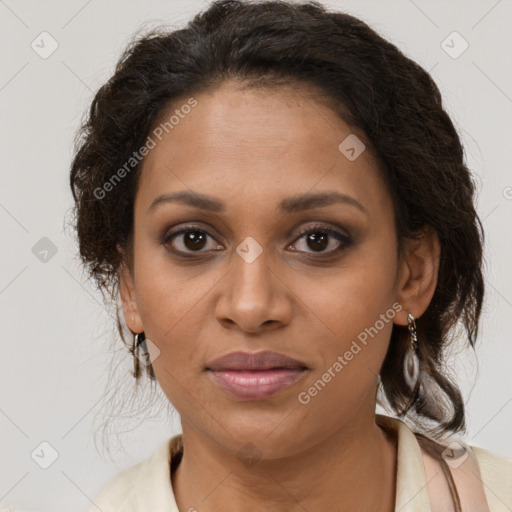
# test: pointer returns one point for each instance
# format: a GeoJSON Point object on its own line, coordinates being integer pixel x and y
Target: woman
{"type": "Point", "coordinates": [281, 203]}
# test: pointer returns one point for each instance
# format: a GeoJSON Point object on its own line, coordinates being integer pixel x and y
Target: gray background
{"type": "Point", "coordinates": [56, 336]}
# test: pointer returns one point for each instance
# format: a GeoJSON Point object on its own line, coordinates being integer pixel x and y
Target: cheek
{"type": "Point", "coordinates": [362, 287]}
{"type": "Point", "coordinates": [167, 298]}
{"type": "Point", "coordinates": [353, 316]}
{"type": "Point", "coordinates": [169, 310]}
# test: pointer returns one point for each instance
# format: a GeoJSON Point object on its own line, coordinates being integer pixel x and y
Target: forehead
{"type": "Point", "coordinates": [257, 145]}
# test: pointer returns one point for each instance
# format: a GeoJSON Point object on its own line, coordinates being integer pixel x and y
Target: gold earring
{"type": "Point", "coordinates": [138, 339]}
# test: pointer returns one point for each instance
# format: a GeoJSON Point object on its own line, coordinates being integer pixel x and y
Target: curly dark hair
{"type": "Point", "coordinates": [373, 86]}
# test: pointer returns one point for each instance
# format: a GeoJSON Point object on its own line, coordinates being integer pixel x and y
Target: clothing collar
{"type": "Point", "coordinates": [411, 484]}
{"type": "Point", "coordinates": [154, 473]}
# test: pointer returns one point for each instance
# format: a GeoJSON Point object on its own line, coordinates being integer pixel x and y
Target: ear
{"type": "Point", "coordinates": [418, 274]}
{"type": "Point", "coordinates": [128, 297]}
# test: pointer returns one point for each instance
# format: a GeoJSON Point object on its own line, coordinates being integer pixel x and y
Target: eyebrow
{"type": "Point", "coordinates": [289, 205]}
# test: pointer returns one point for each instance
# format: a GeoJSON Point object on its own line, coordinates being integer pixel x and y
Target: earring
{"type": "Point", "coordinates": [411, 364]}
{"type": "Point", "coordinates": [411, 361]}
{"type": "Point", "coordinates": [138, 339]}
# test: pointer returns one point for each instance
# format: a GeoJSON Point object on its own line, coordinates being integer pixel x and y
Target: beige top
{"type": "Point", "coordinates": [146, 486]}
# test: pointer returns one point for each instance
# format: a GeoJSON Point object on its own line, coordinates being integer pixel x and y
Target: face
{"type": "Point", "coordinates": [246, 259]}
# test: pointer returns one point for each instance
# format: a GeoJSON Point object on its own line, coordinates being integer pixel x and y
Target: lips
{"type": "Point", "coordinates": [257, 375]}
{"type": "Point", "coordinates": [254, 361]}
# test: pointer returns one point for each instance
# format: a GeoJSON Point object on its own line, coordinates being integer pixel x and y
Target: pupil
{"type": "Point", "coordinates": [194, 239]}
{"type": "Point", "coordinates": [319, 241]}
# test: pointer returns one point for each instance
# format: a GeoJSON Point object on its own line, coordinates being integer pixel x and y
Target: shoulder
{"type": "Point", "coordinates": [119, 489]}
{"type": "Point", "coordinates": [484, 477]}
{"type": "Point", "coordinates": [496, 474]}
{"type": "Point", "coordinates": [129, 489]}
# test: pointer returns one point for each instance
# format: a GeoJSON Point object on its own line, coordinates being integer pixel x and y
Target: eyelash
{"type": "Point", "coordinates": [345, 240]}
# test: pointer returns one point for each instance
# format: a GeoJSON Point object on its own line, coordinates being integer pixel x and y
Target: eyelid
{"type": "Point", "coordinates": [188, 226]}
{"type": "Point", "coordinates": [335, 232]}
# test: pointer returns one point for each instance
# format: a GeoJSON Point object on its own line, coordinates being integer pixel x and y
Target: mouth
{"type": "Point", "coordinates": [254, 376]}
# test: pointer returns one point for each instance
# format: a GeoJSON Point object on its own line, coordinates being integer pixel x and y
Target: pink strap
{"type": "Point", "coordinates": [458, 461]}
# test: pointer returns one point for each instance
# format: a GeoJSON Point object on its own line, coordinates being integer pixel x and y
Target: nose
{"type": "Point", "coordinates": [254, 297]}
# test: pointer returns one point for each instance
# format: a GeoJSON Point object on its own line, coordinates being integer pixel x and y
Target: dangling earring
{"type": "Point", "coordinates": [411, 364]}
{"type": "Point", "coordinates": [411, 361]}
{"type": "Point", "coordinates": [138, 339]}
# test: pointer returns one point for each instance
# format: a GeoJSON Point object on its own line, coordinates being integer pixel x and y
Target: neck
{"type": "Point", "coordinates": [354, 468]}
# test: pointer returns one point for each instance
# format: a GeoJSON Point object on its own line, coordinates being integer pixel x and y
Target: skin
{"type": "Point", "coordinates": [251, 149]}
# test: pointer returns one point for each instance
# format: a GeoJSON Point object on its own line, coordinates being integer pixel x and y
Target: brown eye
{"type": "Point", "coordinates": [321, 239]}
{"type": "Point", "coordinates": [317, 241]}
{"type": "Point", "coordinates": [190, 240]}
{"type": "Point", "coordinates": [194, 240]}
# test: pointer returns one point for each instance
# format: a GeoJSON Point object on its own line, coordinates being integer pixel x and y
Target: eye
{"type": "Point", "coordinates": [189, 240]}
{"type": "Point", "coordinates": [320, 238]}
